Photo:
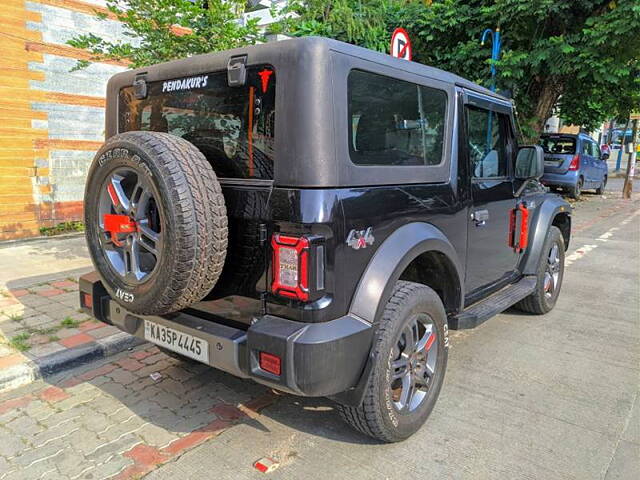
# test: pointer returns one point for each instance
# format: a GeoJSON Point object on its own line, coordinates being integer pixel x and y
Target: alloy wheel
{"type": "Point", "coordinates": [414, 365]}
{"type": "Point", "coordinates": [130, 225]}
{"type": "Point", "coordinates": [552, 271]}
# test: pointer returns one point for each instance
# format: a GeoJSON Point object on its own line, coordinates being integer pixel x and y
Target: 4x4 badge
{"type": "Point", "coordinates": [358, 239]}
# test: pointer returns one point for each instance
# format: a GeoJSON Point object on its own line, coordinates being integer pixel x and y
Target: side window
{"type": "Point", "coordinates": [595, 150]}
{"type": "Point", "coordinates": [487, 143]}
{"type": "Point", "coordinates": [586, 150]}
{"type": "Point", "coordinates": [393, 122]}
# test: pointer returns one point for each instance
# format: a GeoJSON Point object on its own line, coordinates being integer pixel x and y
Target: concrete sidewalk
{"type": "Point", "coordinates": [27, 262]}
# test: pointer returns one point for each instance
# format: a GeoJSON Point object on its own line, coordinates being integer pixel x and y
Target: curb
{"type": "Point", "coordinates": [31, 370]}
{"type": "Point", "coordinates": [39, 238]}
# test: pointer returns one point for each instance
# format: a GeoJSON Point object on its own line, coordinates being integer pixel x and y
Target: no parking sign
{"type": "Point", "coordinates": [400, 44]}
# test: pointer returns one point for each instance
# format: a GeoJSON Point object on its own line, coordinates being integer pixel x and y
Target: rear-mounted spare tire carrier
{"type": "Point", "coordinates": [156, 222]}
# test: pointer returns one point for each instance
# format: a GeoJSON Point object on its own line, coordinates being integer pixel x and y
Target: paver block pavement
{"type": "Point", "coordinates": [93, 417]}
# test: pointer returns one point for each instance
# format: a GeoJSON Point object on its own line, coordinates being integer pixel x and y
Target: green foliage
{"type": "Point", "coordinates": [64, 227]}
{"type": "Point", "coordinates": [162, 30]}
{"type": "Point", "coordinates": [19, 342]}
{"type": "Point", "coordinates": [69, 322]}
{"type": "Point", "coordinates": [363, 23]}
{"type": "Point", "coordinates": [580, 58]}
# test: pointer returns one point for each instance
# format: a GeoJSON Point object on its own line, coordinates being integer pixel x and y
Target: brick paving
{"type": "Point", "coordinates": [112, 420]}
{"type": "Point", "coordinates": [43, 319]}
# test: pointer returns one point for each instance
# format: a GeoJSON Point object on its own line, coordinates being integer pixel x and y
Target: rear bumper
{"type": "Point", "coordinates": [568, 179]}
{"type": "Point", "coordinates": [317, 359]}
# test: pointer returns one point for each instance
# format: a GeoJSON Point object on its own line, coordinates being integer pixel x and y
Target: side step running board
{"type": "Point", "coordinates": [492, 305]}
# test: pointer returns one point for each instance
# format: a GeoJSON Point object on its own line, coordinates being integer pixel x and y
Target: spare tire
{"type": "Point", "coordinates": [155, 222]}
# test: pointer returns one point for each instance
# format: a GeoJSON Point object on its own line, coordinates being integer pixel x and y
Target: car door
{"type": "Point", "coordinates": [586, 162]}
{"type": "Point", "coordinates": [598, 165]}
{"type": "Point", "coordinates": [490, 150]}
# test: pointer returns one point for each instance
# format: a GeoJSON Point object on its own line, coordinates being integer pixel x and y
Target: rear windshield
{"type": "Point", "coordinates": [232, 126]}
{"type": "Point", "coordinates": [559, 145]}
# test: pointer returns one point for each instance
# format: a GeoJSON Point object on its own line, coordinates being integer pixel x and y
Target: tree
{"type": "Point", "coordinates": [579, 57]}
{"type": "Point", "coordinates": [162, 30]}
{"type": "Point", "coordinates": [365, 23]}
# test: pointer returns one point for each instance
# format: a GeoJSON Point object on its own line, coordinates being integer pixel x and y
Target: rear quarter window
{"type": "Point", "coordinates": [234, 127]}
{"type": "Point", "coordinates": [394, 122]}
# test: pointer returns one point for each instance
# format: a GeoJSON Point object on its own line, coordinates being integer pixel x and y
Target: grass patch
{"type": "Point", "coordinates": [69, 322]}
{"type": "Point", "coordinates": [15, 317]}
{"type": "Point", "coordinates": [19, 342]}
{"type": "Point", "coordinates": [54, 338]}
{"type": "Point", "coordinates": [45, 331]}
{"type": "Point", "coordinates": [65, 227]}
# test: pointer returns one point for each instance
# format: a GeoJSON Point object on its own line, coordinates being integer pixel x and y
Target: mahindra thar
{"type": "Point", "coordinates": [316, 216]}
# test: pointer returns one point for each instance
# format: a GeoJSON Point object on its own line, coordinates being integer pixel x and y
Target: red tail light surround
{"type": "Point", "coordinates": [290, 266]}
{"type": "Point", "coordinates": [575, 162]}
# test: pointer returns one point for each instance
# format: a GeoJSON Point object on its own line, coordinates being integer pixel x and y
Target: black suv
{"type": "Point", "coordinates": [315, 216]}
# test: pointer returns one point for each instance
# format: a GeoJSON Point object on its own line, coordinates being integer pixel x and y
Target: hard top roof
{"type": "Point", "coordinates": [318, 47]}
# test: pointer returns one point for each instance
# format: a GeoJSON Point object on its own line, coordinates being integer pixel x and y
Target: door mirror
{"type": "Point", "coordinates": [530, 162]}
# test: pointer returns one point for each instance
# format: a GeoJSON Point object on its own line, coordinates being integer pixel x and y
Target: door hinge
{"type": "Point", "coordinates": [263, 303]}
{"type": "Point", "coordinates": [140, 86]}
{"type": "Point", "coordinates": [237, 71]}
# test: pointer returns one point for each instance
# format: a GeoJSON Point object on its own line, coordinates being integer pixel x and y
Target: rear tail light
{"type": "Point", "coordinates": [290, 266]}
{"type": "Point", "coordinates": [575, 162]}
{"type": "Point", "coordinates": [270, 363]}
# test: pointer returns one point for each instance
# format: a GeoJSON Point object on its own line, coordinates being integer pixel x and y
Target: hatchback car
{"type": "Point", "coordinates": [573, 163]}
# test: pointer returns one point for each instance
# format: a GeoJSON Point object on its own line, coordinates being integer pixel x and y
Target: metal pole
{"type": "Point", "coordinates": [631, 163]}
{"type": "Point", "coordinates": [624, 134]}
{"type": "Point", "coordinates": [495, 56]}
{"type": "Point", "coordinates": [495, 52]}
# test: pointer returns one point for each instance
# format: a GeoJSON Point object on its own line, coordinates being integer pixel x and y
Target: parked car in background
{"type": "Point", "coordinates": [573, 163]}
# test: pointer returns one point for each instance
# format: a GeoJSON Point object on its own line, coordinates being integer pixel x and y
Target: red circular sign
{"type": "Point", "coordinates": [401, 44]}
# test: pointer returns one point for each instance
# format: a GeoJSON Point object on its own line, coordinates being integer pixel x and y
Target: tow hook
{"type": "Point", "coordinates": [115, 224]}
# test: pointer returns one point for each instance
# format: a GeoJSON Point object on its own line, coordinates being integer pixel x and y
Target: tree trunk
{"type": "Point", "coordinates": [545, 93]}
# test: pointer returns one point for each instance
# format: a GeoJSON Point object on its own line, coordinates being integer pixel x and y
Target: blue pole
{"type": "Point", "coordinates": [619, 159]}
{"type": "Point", "coordinates": [495, 55]}
{"type": "Point", "coordinates": [495, 52]}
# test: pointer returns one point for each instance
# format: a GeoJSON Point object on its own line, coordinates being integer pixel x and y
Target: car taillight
{"type": "Point", "coordinates": [87, 301]}
{"type": "Point", "coordinates": [575, 162]}
{"type": "Point", "coordinates": [270, 363]}
{"type": "Point", "coordinates": [290, 266]}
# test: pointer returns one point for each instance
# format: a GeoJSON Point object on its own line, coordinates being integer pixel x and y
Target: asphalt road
{"type": "Point", "coordinates": [525, 397]}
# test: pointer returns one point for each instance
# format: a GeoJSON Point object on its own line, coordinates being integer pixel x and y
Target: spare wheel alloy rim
{"type": "Point", "coordinates": [130, 225]}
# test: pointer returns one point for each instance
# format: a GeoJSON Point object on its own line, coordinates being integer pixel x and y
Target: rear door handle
{"type": "Point", "coordinates": [480, 217]}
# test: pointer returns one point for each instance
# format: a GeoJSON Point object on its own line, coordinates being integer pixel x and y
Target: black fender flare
{"type": "Point", "coordinates": [392, 257]}
{"type": "Point", "coordinates": [383, 271]}
{"type": "Point", "coordinates": [550, 207]}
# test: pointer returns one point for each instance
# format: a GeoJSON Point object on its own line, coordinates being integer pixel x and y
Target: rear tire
{"type": "Point", "coordinates": [600, 189]}
{"type": "Point", "coordinates": [576, 191]}
{"type": "Point", "coordinates": [549, 275]}
{"type": "Point", "coordinates": [388, 412]}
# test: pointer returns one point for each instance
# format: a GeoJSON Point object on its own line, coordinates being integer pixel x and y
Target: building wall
{"type": "Point", "coordinates": [51, 119]}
